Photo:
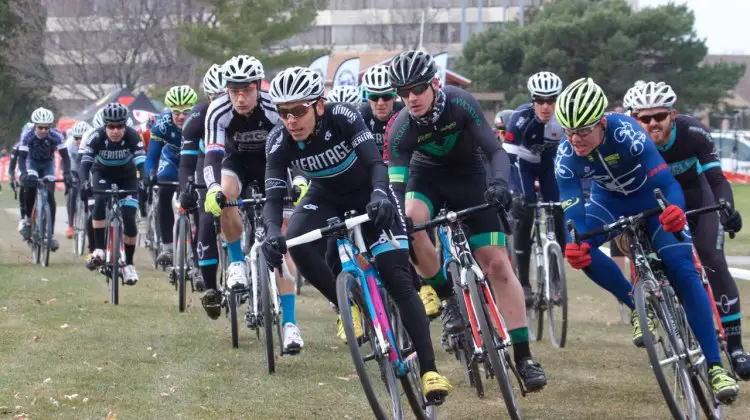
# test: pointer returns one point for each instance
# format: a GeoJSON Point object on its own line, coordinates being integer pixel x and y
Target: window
{"type": "Point", "coordinates": [69, 8]}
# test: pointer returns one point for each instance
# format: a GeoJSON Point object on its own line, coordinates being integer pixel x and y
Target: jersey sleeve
{"type": "Point", "coordinates": [158, 132]}
{"type": "Point", "coordinates": [275, 183]}
{"type": "Point", "coordinates": [93, 143]}
{"type": "Point", "coordinates": [401, 144]}
{"type": "Point", "coordinates": [386, 135]}
{"type": "Point", "coordinates": [571, 190]}
{"type": "Point", "coordinates": [192, 132]}
{"type": "Point", "coordinates": [218, 117]}
{"type": "Point", "coordinates": [709, 163]}
{"type": "Point", "coordinates": [136, 148]}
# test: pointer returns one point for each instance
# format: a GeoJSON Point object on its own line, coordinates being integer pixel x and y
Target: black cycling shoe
{"type": "Point", "coordinates": [451, 317]}
{"type": "Point", "coordinates": [200, 286]}
{"type": "Point", "coordinates": [741, 364]}
{"type": "Point", "coordinates": [54, 245]}
{"type": "Point", "coordinates": [211, 302]}
{"type": "Point", "coordinates": [165, 258]}
{"type": "Point", "coordinates": [532, 374]}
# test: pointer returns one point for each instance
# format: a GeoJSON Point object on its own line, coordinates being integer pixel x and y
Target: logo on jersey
{"type": "Point", "coordinates": [360, 138]}
{"type": "Point", "coordinates": [275, 146]}
{"type": "Point", "coordinates": [310, 207]}
{"type": "Point", "coordinates": [448, 127]}
{"type": "Point", "coordinates": [470, 109]}
{"type": "Point", "coordinates": [725, 304]}
{"type": "Point", "coordinates": [625, 183]}
{"type": "Point", "coordinates": [350, 115]}
{"type": "Point", "coordinates": [565, 150]}
{"type": "Point", "coordinates": [330, 159]}
{"type": "Point", "coordinates": [570, 203]}
{"type": "Point", "coordinates": [201, 249]}
{"type": "Point", "coordinates": [626, 132]}
{"type": "Point", "coordinates": [328, 135]}
{"type": "Point", "coordinates": [442, 149]}
{"type": "Point", "coordinates": [424, 137]}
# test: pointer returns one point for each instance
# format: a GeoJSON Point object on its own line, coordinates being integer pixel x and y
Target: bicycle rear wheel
{"type": "Point", "coordinates": [557, 304]}
{"type": "Point", "coordinates": [465, 340]}
{"type": "Point", "coordinates": [46, 237]}
{"type": "Point", "coordinates": [698, 369]}
{"type": "Point", "coordinates": [35, 238]}
{"type": "Point", "coordinates": [183, 230]}
{"type": "Point", "coordinates": [114, 263]}
{"type": "Point", "coordinates": [79, 229]}
{"type": "Point", "coordinates": [153, 235]}
{"type": "Point", "coordinates": [268, 316]}
{"type": "Point", "coordinates": [349, 293]}
{"type": "Point", "coordinates": [486, 315]}
{"type": "Point", "coordinates": [535, 311]}
{"type": "Point", "coordinates": [666, 351]}
{"type": "Point", "coordinates": [234, 302]}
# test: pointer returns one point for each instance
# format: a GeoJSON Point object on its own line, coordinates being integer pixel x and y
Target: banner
{"type": "Point", "coordinates": [442, 62]}
{"type": "Point", "coordinates": [320, 66]}
{"type": "Point", "coordinates": [347, 74]}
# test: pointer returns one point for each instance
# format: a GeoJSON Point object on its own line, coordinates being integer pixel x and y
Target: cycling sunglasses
{"type": "Point", "coordinates": [646, 119]}
{"type": "Point", "coordinates": [116, 126]}
{"type": "Point", "coordinates": [185, 111]}
{"type": "Point", "coordinates": [541, 100]}
{"type": "Point", "coordinates": [296, 111]}
{"type": "Point", "coordinates": [43, 127]}
{"type": "Point", "coordinates": [416, 89]}
{"type": "Point", "coordinates": [582, 132]}
{"type": "Point", "coordinates": [384, 96]}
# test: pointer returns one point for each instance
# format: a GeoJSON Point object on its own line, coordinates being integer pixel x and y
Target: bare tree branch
{"type": "Point", "coordinates": [399, 28]}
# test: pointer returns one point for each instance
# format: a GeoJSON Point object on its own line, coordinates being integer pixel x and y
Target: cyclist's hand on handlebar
{"type": "Point", "coordinates": [299, 187]}
{"type": "Point", "coordinates": [274, 248]}
{"type": "Point", "coordinates": [732, 222]}
{"type": "Point", "coordinates": [672, 219]}
{"type": "Point", "coordinates": [188, 200]}
{"type": "Point", "coordinates": [498, 194]}
{"type": "Point", "coordinates": [214, 198]}
{"type": "Point", "coordinates": [578, 255]}
{"type": "Point", "coordinates": [409, 222]}
{"type": "Point", "coordinates": [85, 191]}
{"type": "Point", "coordinates": [381, 211]}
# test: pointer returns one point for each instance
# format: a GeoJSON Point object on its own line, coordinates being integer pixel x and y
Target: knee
{"type": "Point", "coordinates": [497, 268]}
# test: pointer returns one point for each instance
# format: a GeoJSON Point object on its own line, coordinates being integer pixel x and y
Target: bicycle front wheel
{"type": "Point", "coordinates": [79, 228]}
{"type": "Point", "coordinates": [153, 235]}
{"type": "Point", "coordinates": [465, 341]}
{"type": "Point", "coordinates": [385, 403]}
{"type": "Point", "coordinates": [666, 350]}
{"type": "Point", "coordinates": [46, 229]}
{"type": "Point", "coordinates": [557, 304]}
{"type": "Point", "coordinates": [234, 303]}
{"type": "Point", "coordinates": [183, 230]}
{"type": "Point", "coordinates": [487, 318]}
{"type": "Point", "coordinates": [535, 311]}
{"type": "Point", "coordinates": [268, 316]}
{"type": "Point", "coordinates": [114, 264]}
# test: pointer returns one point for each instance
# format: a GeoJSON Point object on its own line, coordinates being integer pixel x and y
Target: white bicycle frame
{"type": "Point", "coordinates": [251, 264]}
{"type": "Point", "coordinates": [547, 243]}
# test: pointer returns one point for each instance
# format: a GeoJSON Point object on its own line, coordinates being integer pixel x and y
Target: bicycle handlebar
{"type": "Point", "coordinates": [250, 202]}
{"type": "Point", "coordinates": [316, 234]}
{"type": "Point", "coordinates": [545, 205]}
{"type": "Point", "coordinates": [113, 192]}
{"type": "Point", "coordinates": [454, 216]}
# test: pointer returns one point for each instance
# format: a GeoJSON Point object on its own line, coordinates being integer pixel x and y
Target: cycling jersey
{"type": "Point", "coordinates": [38, 153]}
{"type": "Point", "coordinates": [72, 146]}
{"type": "Point", "coordinates": [120, 159]}
{"type": "Point", "coordinates": [625, 169]}
{"type": "Point", "coordinates": [13, 160]}
{"type": "Point", "coordinates": [387, 134]}
{"type": "Point", "coordinates": [192, 144]}
{"type": "Point", "coordinates": [528, 138]}
{"type": "Point", "coordinates": [164, 152]}
{"type": "Point", "coordinates": [243, 137]}
{"type": "Point", "coordinates": [377, 127]}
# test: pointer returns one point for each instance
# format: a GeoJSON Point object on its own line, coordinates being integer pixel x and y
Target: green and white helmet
{"type": "Point", "coordinates": [178, 96]}
{"type": "Point", "coordinates": [581, 104]}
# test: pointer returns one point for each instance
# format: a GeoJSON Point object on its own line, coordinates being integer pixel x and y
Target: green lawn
{"type": "Point", "coordinates": [740, 245]}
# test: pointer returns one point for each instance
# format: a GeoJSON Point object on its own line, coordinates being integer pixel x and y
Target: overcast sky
{"type": "Point", "coordinates": [723, 23]}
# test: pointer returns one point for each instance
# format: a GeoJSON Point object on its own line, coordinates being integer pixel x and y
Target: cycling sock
{"type": "Point", "coordinates": [90, 236]}
{"type": "Point", "coordinates": [520, 339]}
{"type": "Point", "coordinates": [287, 308]}
{"type": "Point", "coordinates": [129, 252]}
{"type": "Point", "coordinates": [209, 275]}
{"type": "Point", "coordinates": [235, 251]}
{"type": "Point", "coordinates": [733, 332]}
{"type": "Point", "coordinates": [99, 238]}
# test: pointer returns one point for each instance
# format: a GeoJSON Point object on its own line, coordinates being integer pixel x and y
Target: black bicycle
{"type": "Point", "coordinates": [42, 229]}
{"type": "Point", "coordinates": [183, 272]}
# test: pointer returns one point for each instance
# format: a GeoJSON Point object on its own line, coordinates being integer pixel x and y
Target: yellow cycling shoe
{"type": "Point", "coordinates": [435, 386]}
{"type": "Point", "coordinates": [430, 300]}
{"type": "Point", "coordinates": [356, 320]}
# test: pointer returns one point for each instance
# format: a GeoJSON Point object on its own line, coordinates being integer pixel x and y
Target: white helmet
{"type": "Point", "coordinates": [376, 80]}
{"type": "Point", "coordinates": [81, 128]}
{"type": "Point", "coordinates": [42, 116]}
{"type": "Point", "coordinates": [213, 81]}
{"type": "Point", "coordinates": [627, 100]}
{"type": "Point", "coordinates": [653, 95]}
{"type": "Point", "coordinates": [544, 83]}
{"type": "Point", "coordinates": [296, 84]}
{"type": "Point", "coordinates": [98, 120]}
{"type": "Point", "coordinates": [242, 69]}
{"type": "Point", "coordinates": [348, 94]}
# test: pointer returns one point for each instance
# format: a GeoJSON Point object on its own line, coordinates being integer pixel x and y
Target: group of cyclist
{"type": "Point", "coordinates": [401, 162]}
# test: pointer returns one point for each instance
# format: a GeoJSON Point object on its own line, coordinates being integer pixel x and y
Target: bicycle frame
{"type": "Point", "coordinates": [546, 241]}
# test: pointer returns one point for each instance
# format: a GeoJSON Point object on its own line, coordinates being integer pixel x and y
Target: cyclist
{"type": "Point", "coordinates": [434, 158]}
{"type": "Point", "coordinates": [112, 155]}
{"type": "Point", "coordinates": [236, 130]}
{"type": "Point", "coordinates": [163, 160]}
{"type": "Point", "coordinates": [614, 151]}
{"type": "Point", "coordinates": [192, 156]}
{"type": "Point", "coordinates": [502, 119]}
{"type": "Point", "coordinates": [36, 158]}
{"type": "Point", "coordinates": [531, 140]}
{"type": "Point", "coordinates": [332, 146]}
{"type": "Point", "coordinates": [346, 94]}
{"type": "Point", "coordinates": [72, 144]}
{"type": "Point", "coordinates": [24, 212]}
{"type": "Point", "coordinates": [686, 146]}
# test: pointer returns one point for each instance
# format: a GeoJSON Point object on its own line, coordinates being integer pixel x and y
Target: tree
{"type": "Point", "coordinates": [399, 29]}
{"type": "Point", "coordinates": [253, 27]}
{"type": "Point", "coordinates": [604, 40]}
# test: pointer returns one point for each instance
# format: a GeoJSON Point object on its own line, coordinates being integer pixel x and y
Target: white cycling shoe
{"type": "Point", "coordinates": [237, 275]}
{"type": "Point", "coordinates": [292, 339]}
{"type": "Point", "coordinates": [129, 275]}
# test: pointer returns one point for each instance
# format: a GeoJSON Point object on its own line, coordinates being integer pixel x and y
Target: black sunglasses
{"type": "Point", "coordinates": [416, 89]}
{"type": "Point", "coordinates": [115, 126]}
{"type": "Point", "coordinates": [384, 96]}
{"type": "Point", "coordinates": [541, 100]}
{"type": "Point", "coordinates": [646, 119]}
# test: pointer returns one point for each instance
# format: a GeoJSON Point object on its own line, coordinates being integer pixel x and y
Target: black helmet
{"type": "Point", "coordinates": [114, 112]}
{"type": "Point", "coordinates": [411, 67]}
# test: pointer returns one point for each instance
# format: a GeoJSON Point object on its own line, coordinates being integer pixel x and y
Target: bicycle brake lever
{"type": "Point", "coordinates": [573, 232]}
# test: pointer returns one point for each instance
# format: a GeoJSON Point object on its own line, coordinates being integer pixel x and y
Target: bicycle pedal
{"type": "Point", "coordinates": [436, 400]}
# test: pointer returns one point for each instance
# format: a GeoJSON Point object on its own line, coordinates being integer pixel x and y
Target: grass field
{"type": "Point", "coordinates": [740, 245]}
{"type": "Point", "coordinates": [66, 353]}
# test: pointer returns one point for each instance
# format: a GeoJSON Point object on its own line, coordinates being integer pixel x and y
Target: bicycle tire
{"type": "Point", "coordinates": [699, 372]}
{"type": "Point", "coordinates": [556, 271]}
{"type": "Point", "coordinates": [114, 284]}
{"type": "Point", "coordinates": [183, 227]}
{"type": "Point", "coordinates": [233, 304]}
{"type": "Point", "coordinates": [35, 240]}
{"type": "Point", "coordinates": [153, 236]}
{"type": "Point", "coordinates": [46, 237]}
{"type": "Point", "coordinates": [644, 298]}
{"type": "Point", "coordinates": [498, 362]}
{"type": "Point", "coordinates": [267, 306]}
{"type": "Point", "coordinates": [299, 281]}
{"type": "Point", "coordinates": [79, 228]}
{"type": "Point", "coordinates": [466, 340]}
{"type": "Point", "coordinates": [346, 297]}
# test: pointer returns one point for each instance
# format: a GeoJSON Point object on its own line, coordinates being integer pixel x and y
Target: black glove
{"type": "Point", "coordinates": [381, 211]}
{"type": "Point", "coordinates": [22, 178]}
{"type": "Point", "coordinates": [731, 222]}
{"type": "Point", "coordinates": [86, 192]}
{"type": "Point", "coordinates": [518, 206]}
{"type": "Point", "coordinates": [68, 181]}
{"type": "Point", "coordinates": [188, 200]}
{"type": "Point", "coordinates": [498, 194]}
{"type": "Point", "coordinates": [409, 225]}
{"type": "Point", "coordinates": [13, 185]}
{"type": "Point", "coordinates": [274, 248]}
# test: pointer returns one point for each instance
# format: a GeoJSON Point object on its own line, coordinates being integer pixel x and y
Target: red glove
{"type": "Point", "coordinates": [672, 219]}
{"type": "Point", "coordinates": [578, 255]}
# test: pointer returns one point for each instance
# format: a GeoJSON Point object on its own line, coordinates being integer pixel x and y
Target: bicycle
{"type": "Point", "coordinates": [153, 234]}
{"type": "Point", "coordinates": [184, 271]}
{"type": "Point", "coordinates": [359, 284]}
{"type": "Point", "coordinates": [262, 281]}
{"type": "Point", "coordinates": [80, 221]}
{"type": "Point", "coordinates": [672, 344]}
{"type": "Point", "coordinates": [114, 260]}
{"type": "Point", "coordinates": [42, 229]}
{"type": "Point", "coordinates": [489, 342]}
{"type": "Point", "coordinates": [551, 293]}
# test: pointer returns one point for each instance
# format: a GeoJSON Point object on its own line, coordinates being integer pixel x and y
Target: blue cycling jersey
{"type": "Point", "coordinates": [528, 138]}
{"type": "Point", "coordinates": [42, 149]}
{"type": "Point", "coordinates": [163, 133]}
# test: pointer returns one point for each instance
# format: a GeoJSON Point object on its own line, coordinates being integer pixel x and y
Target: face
{"type": "Point", "coordinates": [419, 97]}
{"type": "Point", "coordinates": [619, 109]}
{"type": "Point", "coordinates": [586, 139]}
{"type": "Point", "coordinates": [658, 123]}
{"type": "Point", "coordinates": [180, 115]}
{"type": "Point", "coordinates": [500, 132]}
{"type": "Point", "coordinates": [544, 107]}
{"type": "Point", "coordinates": [115, 132]}
{"type": "Point", "coordinates": [299, 119]}
{"type": "Point", "coordinates": [381, 104]}
{"type": "Point", "coordinates": [41, 130]}
{"type": "Point", "coordinates": [244, 99]}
